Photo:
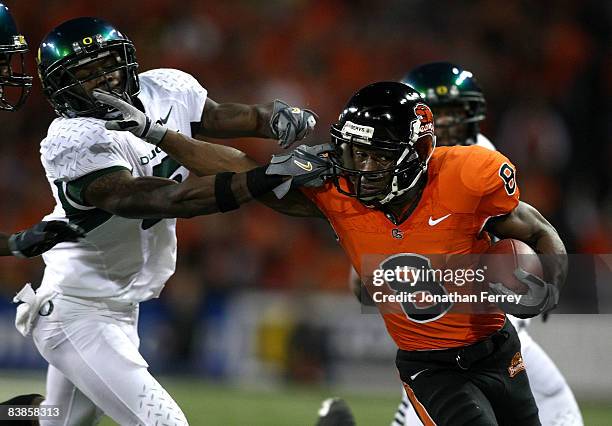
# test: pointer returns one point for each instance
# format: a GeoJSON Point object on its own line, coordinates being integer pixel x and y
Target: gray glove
{"type": "Point", "coordinates": [42, 237]}
{"type": "Point", "coordinates": [307, 166]}
{"type": "Point", "coordinates": [134, 120]}
{"type": "Point", "coordinates": [291, 124]}
{"type": "Point", "coordinates": [541, 296]}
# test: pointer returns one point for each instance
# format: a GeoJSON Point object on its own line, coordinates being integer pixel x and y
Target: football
{"type": "Point", "coordinates": [504, 257]}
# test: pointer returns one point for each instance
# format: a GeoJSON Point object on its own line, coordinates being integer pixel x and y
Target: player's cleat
{"type": "Point", "coordinates": [335, 412]}
{"type": "Point", "coordinates": [32, 399]}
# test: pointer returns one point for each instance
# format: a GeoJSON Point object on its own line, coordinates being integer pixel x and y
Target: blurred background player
{"type": "Point", "coordinates": [15, 86]}
{"type": "Point", "coordinates": [103, 180]}
{"type": "Point", "coordinates": [15, 83]}
{"type": "Point", "coordinates": [458, 105]}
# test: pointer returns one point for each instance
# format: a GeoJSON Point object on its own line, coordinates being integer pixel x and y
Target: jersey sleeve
{"type": "Point", "coordinates": [180, 86]}
{"type": "Point", "coordinates": [79, 147]}
{"type": "Point", "coordinates": [195, 95]}
{"type": "Point", "coordinates": [491, 177]}
{"type": "Point", "coordinates": [322, 197]}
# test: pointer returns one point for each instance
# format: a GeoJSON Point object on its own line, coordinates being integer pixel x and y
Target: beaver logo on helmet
{"type": "Point", "coordinates": [425, 121]}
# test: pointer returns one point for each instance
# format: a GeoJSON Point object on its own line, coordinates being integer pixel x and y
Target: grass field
{"type": "Point", "coordinates": [211, 404]}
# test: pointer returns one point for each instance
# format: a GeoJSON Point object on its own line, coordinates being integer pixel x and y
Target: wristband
{"type": "Point", "coordinates": [226, 201]}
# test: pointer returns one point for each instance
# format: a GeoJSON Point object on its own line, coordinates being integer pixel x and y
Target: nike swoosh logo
{"type": "Point", "coordinates": [305, 166]}
{"type": "Point", "coordinates": [163, 121]}
{"type": "Point", "coordinates": [414, 376]}
{"type": "Point", "coordinates": [433, 222]}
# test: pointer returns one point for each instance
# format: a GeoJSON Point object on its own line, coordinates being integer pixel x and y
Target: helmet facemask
{"type": "Point", "coordinates": [407, 162]}
{"type": "Point", "coordinates": [451, 126]}
{"type": "Point", "coordinates": [15, 83]}
{"type": "Point", "coordinates": [70, 93]}
{"type": "Point", "coordinates": [457, 122]}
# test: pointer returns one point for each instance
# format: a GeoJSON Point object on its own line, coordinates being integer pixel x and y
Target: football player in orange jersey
{"type": "Point", "coordinates": [391, 193]}
{"type": "Point", "coordinates": [458, 105]}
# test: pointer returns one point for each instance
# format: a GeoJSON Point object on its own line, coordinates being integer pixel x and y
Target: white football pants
{"type": "Point", "coordinates": [95, 367]}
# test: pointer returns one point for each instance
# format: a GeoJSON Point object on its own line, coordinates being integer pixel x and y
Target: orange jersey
{"type": "Point", "coordinates": [466, 186]}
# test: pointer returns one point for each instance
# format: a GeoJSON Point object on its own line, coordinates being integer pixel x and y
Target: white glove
{"type": "Point", "coordinates": [134, 120]}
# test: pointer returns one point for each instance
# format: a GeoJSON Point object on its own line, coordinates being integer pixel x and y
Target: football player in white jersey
{"type": "Point", "coordinates": [118, 187]}
{"type": "Point", "coordinates": [458, 106]}
{"type": "Point", "coordinates": [15, 86]}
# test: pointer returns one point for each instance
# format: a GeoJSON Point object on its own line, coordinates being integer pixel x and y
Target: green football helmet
{"type": "Point", "coordinates": [78, 43]}
{"type": "Point", "coordinates": [15, 84]}
{"type": "Point", "coordinates": [443, 84]}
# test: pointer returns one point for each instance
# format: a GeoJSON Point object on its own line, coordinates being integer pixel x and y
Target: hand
{"type": "Point", "coordinates": [540, 297]}
{"type": "Point", "coordinates": [306, 165]}
{"type": "Point", "coordinates": [42, 237]}
{"type": "Point", "coordinates": [134, 120]}
{"type": "Point", "coordinates": [291, 124]}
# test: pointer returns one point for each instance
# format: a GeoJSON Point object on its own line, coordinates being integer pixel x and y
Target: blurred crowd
{"type": "Point", "coordinates": [545, 68]}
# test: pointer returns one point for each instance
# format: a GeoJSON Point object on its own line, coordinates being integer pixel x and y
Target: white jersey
{"type": "Point", "coordinates": [119, 259]}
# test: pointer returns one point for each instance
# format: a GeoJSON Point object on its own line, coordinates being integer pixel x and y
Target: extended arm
{"type": "Point", "coordinates": [228, 120]}
{"type": "Point", "coordinates": [154, 198]}
{"type": "Point", "coordinates": [525, 223]}
{"type": "Point", "coordinates": [118, 192]}
{"type": "Point", "coordinates": [274, 120]}
{"type": "Point", "coordinates": [205, 158]}
{"type": "Point", "coordinates": [231, 120]}
{"type": "Point", "coordinates": [39, 238]}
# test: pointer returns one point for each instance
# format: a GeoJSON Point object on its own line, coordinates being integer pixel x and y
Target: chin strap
{"type": "Point", "coordinates": [395, 191]}
{"type": "Point", "coordinates": [394, 185]}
